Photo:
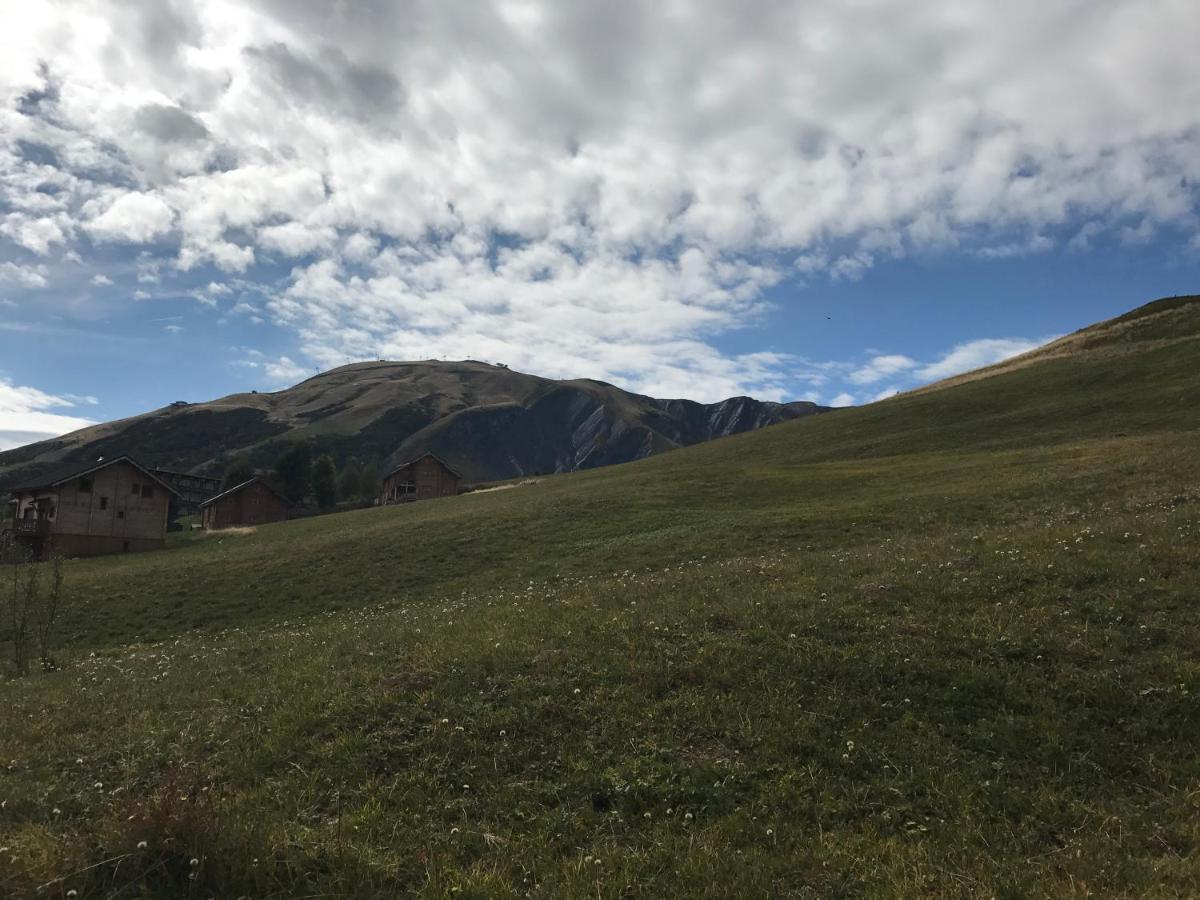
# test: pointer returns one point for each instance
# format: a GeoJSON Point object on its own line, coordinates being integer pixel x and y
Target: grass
{"type": "Point", "coordinates": [944, 645]}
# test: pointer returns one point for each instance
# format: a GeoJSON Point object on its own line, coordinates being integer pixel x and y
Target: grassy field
{"type": "Point", "coordinates": [944, 645]}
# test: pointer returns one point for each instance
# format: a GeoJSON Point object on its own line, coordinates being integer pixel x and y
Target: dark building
{"type": "Point", "coordinates": [109, 506]}
{"type": "Point", "coordinates": [253, 502]}
{"type": "Point", "coordinates": [423, 478]}
{"type": "Point", "coordinates": [192, 490]}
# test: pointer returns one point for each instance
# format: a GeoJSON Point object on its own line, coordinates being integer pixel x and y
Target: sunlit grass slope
{"type": "Point", "coordinates": [945, 645]}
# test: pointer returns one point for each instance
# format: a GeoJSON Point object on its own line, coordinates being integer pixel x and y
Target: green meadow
{"type": "Point", "coordinates": [945, 645]}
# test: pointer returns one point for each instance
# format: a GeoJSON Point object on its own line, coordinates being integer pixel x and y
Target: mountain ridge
{"type": "Point", "coordinates": [489, 420]}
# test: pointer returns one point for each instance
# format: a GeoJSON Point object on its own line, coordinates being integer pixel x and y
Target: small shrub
{"type": "Point", "coordinates": [34, 612]}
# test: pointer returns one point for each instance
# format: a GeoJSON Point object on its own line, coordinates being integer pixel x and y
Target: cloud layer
{"type": "Point", "coordinates": [26, 414]}
{"type": "Point", "coordinates": [900, 373]}
{"type": "Point", "coordinates": [579, 188]}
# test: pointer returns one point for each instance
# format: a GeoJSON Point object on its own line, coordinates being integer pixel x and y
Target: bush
{"type": "Point", "coordinates": [324, 481]}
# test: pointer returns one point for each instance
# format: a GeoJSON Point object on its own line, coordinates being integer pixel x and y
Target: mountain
{"type": "Point", "coordinates": [943, 645]}
{"type": "Point", "coordinates": [486, 420]}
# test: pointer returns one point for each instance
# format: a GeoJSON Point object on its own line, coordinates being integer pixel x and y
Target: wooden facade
{"type": "Point", "coordinates": [423, 478]}
{"type": "Point", "coordinates": [111, 506]}
{"type": "Point", "coordinates": [253, 502]}
{"type": "Point", "coordinates": [192, 490]}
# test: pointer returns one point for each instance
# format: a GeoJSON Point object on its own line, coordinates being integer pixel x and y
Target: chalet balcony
{"type": "Point", "coordinates": [31, 527]}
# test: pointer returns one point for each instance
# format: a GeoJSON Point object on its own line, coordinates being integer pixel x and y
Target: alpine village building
{"type": "Point", "coordinates": [109, 506]}
{"type": "Point", "coordinates": [253, 502]}
{"type": "Point", "coordinates": [423, 478]}
{"type": "Point", "coordinates": [119, 506]}
{"type": "Point", "coordinates": [192, 490]}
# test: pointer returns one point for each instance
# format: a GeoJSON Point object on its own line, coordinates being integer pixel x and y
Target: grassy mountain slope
{"type": "Point", "coordinates": [942, 645]}
{"type": "Point", "coordinates": [1162, 322]}
{"type": "Point", "coordinates": [489, 421]}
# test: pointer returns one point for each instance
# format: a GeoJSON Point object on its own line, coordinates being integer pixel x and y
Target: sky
{"type": "Point", "coordinates": [831, 201]}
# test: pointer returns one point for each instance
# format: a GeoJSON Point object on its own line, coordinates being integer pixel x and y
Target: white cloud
{"type": "Point", "coordinates": [294, 239]}
{"type": "Point", "coordinates": [284, 370]}
{"type": "Point", "coordinates": [85, 399]}
{"type": "Point", "coordinates": [149, 269]}
{"type": "Point", "coordinates": [1038, 243]}
{"type": "Point", "coordinates": [842, 399]}
{"type": "Point", "coordinates": [132, 218]}
{"type": "Point", "coordinates": [881, 367]}
{"type": "Point", "coordinates": [360, 247]}
{"type": "Point", "coordinates": [26, 416]}
{"type": "Point", "coordinates": [976, 354]}
{"type": "Point", "coordinates": [884, 394]}
{"type": "Point", "coordinates": [581, 189]}
{"type": "Point", "coordinates": [26, 276]}
{"type": "Point", "coordinates": [36, 233]}
{"type": "Point", "coordinates": [101, 280]}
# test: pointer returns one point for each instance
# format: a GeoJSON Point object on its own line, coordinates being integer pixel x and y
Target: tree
{"type": "Point", "coordinates": [350, 481]}
{"type": "Point", "coordinates": [294, 468]}
{"type": "Point", "coordinates": [33, 611]}
{"type": "Point", "coordinates": [239, 469]}
{"type": "Point", "coordinates": [22, 610]}
{"type": "Point", "coordinates": [47, 613]}
{"type": "Point", "coordinates": [324, 481]}
{"type": "Point", "coordinates": [368, 482]}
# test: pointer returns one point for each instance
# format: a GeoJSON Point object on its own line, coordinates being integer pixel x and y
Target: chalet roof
{"type": "Point", "coordinates": [416, 459]}
{"type": "Point", "coordinates": [55, 477]}
{"type": "Point", "coordinates": [237, 488]}
{"type": "Point", "coordinates": [159, 470]}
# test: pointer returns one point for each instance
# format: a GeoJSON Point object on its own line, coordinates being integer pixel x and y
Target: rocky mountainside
{"type": "Point", "coordinates": [488, 421]}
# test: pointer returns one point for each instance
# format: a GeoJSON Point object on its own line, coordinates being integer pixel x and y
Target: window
{"type": "Point", "coordinates": [147, 490]}
{"type": "Point", "coordinates": [104, 503]}
{"type": "Point", "coordinates": [120, 513]}
{"type": "Point", "coordinates": [85, 485]}
{"type": "Point", "coordinates": [136, 489]}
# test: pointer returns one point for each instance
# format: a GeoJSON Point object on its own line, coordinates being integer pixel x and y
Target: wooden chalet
{"type": "Point", "coordinates": [192, 490]}
{"type": "Point", "coordinates": [109, 506]}
{"type": "Point", "coordinates": [253, 502]}
{"type": "Point", "coordinates": [423, 478]}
